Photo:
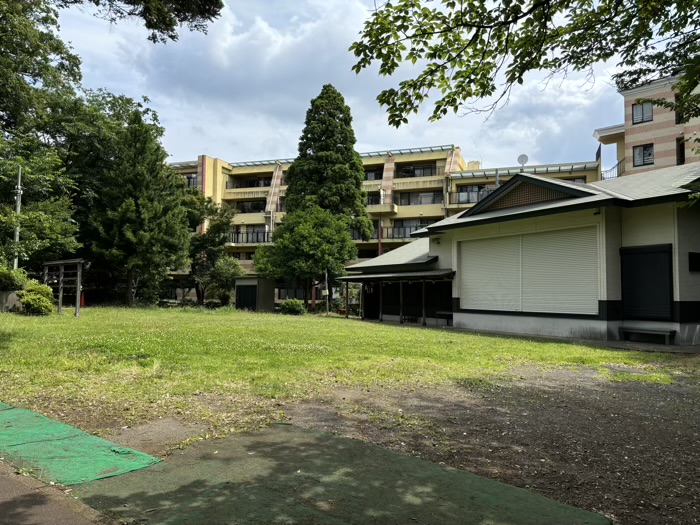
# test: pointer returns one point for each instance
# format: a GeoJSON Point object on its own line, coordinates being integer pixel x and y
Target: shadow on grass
{"type": "Point", "coordinates": [5, 340]}
{"type": "Point", "coordinates": [289, 476]}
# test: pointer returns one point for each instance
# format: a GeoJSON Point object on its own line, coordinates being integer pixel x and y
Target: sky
{"type": "Point", "coordinates": [241, 91]}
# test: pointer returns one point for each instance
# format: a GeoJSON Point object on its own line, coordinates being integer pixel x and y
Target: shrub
{"type": "Point", "coordinates": [35, 304]}
{"type": "Point", "coordinates": [34, 286]}
{"type": "Point", "coordinates": [293, 307]}
{"type": "Point", "coordinates": [12, 279]}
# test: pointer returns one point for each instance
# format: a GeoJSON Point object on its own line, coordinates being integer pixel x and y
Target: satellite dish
{"type": "Point", "coordinates": [522, 160]}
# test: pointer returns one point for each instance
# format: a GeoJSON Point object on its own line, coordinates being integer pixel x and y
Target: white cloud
{"type": "Point", "coordinates": [241, 91]}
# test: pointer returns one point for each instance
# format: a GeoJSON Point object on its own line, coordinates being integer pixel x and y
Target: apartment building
{"type": "Point", "coordinates": [651, 137]}
{"type": "Point", "coordinates": [407, 190]}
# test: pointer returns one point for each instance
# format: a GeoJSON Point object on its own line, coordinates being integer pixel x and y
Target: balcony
{"type": "Point", "coordinates": [469, 197]}
{"type": "Point", "coordinates": [429, 183]}
{"type": "Point", "coordinates": [357, 237]}
{"type": "Point", "coordinates": [399, 232]}
{"type": "Point", "coordinates": [246, 193]}
{"type": "Point", "coordinates": [418, 171]}
{"type": "Point", "coordinates": [249, 238]}
{"type": "Point", "coordinates": [249, 207]}
{"type": "Point", "coordinates": [616, 171]}
{"type": "Point", "coordinates": [387, 208]}
{"type": "Point", "coordinates": [419, 199]}
{"type": "Point", "coordinates": [371, 185]}
{"type": "Point", "coordinates": [233, 184]}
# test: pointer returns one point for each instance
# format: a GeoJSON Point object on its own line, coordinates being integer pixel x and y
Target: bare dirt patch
{"type": "Point", "coordinates": [628, 450]}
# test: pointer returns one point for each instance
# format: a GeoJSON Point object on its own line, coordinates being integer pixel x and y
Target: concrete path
{"type": "Point", "coordinates": [287, 475]}
{"type": "Point", "coordinates": [27, 501]}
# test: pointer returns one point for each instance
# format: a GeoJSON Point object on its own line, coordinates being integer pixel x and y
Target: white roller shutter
{"type": "Point", "coordinates": [549, 272]}
{"type": "Point", "coordinates": [490, 274]}
{"type": "Point", "coordinates": [560, 271]}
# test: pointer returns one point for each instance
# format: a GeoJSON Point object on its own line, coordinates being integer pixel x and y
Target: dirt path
{"type": "Point", "coordinates": [628, 450]}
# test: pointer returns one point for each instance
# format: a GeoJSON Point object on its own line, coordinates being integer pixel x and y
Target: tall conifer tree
{"type": "Point", "coordinates": [328, 171]}
{"type": "Point", "coordinates": [139, 216]}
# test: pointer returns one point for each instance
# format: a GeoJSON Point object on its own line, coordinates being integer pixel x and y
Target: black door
{"type": "Point", "coordinates": [246, 297]}
{"type": "Point", "coordinates": [647, 283]}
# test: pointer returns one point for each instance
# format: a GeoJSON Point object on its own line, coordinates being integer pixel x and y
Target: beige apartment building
{"type": "Point", "coordinates": [651, 137]}
{"type": "Point", "coordinates": [407, 190]}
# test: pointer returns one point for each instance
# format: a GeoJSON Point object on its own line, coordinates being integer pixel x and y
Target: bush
{"type": "Point", "coordinates": [35, 304]}
{"type": "Point", "coordinates": [293, 307]}
{"type": "Point", "coordinates": [34, 286]}
{"type": "Point", "coordinates": [11, 280]}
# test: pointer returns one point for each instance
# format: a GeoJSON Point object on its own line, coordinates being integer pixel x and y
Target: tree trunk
{"type": "Point", "coordinates": [199, 289]}
{"type": "Point", "coordinates": [129, 288]}
{"type": "Point", "coordinates": [306, 294]}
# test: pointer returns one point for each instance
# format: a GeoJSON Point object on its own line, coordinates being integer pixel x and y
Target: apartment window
{"type": "Point", "coordinates": [642, 113]}
{"type": "Point", "coordinates": [680, 151]}
{"type": "Point", "coordinates": [679, 114]}
{"type": "Point", "coordinates": [373, 199]}
{"type": "Point", "coordinates": [191, 181]}
{"type": "Point", "coordinates": [643, 155]}
{"type": "Point", "coordinates": [411, 171]}
{"type": "Point", "coordinates": [374, 174]}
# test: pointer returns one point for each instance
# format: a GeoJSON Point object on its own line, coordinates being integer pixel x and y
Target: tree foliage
{"type": "Point", "coordinates": [308, 243]}
{"type": "Point", "coordinates": [48, 230]}
{"type": "Point", "coordinates": [138, 216]}
{"type": "Point", "coordinates": [36, 67]}
{"type": "Point", "coordinates": [160, 17]}
{"type": "Point", "coordinates": [475, 51]}
{"type": "Point", "coordinates": [207, 244]}
{"type": "Point", "coordinates": [222, 278]}
{"type": "Point", "coordinates": [328, 171]}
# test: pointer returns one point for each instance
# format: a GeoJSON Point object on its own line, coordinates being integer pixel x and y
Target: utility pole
{"type": "Point", "coordinates": [328, 295]}
{"type": "Point", "coordinates": [18, 205]}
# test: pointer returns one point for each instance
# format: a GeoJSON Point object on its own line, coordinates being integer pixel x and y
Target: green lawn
{"type": "Point", "coordinates": [145, 359]}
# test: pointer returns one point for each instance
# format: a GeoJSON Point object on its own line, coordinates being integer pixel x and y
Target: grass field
{"type": "Point", "coordinates": [149, 361]}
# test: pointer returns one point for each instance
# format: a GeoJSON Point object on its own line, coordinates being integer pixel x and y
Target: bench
{"type": "Point", "coordinates": [444, 314]}
{"type": "Point", "coordinates": [668, 335]}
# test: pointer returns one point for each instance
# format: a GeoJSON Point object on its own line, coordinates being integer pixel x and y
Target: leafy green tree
{"type": "Point", "coordinates": [47, 228]}
{"type": "Point", "coordinates": [307, 243]}
{"type": "Point", "coordinates": [206, 244]}
{"type": "Point", "coordinates": [473, 50]}
{"type": "Point", "coordinates": [160, 17]}
{"type": "Point", "coordinates": [328, 171]}
{"type": "Point", "coordinates": [222, 278]}
{"type": "Point", "coordinates": [139, 217]}
{"type": "Point", "coordinates": [36, 67]}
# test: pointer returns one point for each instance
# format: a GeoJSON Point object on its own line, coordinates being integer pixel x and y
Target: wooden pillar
{"type": "Point", "coordinates": [347, 299]}
{"type": "Point", "coordinates": [381, 300]}
{"type": "Point", "coordinates": [424, 303]}
{"type": "Point", "coordinates": [400, 302]}
{"type": "Point", "coordinates": [60, 289]}
{"type": "Point", "coordinates": [78, 288]}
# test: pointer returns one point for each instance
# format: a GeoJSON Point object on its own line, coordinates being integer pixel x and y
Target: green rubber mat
{"type": "Point", "coordinates": [59, 453]}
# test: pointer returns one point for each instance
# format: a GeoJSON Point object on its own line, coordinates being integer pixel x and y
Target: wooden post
{"type": "Point", "coordinates": [381, 300]}
{"type": "Point", "coordinates": [78, 289]}
{"type": "Point", "coordinates": [362, 301]}
{"type": "Point", "coordinates": [60, 289]}
{"type": "Point", "coordinates": [347, 299]}
{"type": "Point", "coordinates": [424, 303]}
{"type": "Point", "coordinates": [400, 302]}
